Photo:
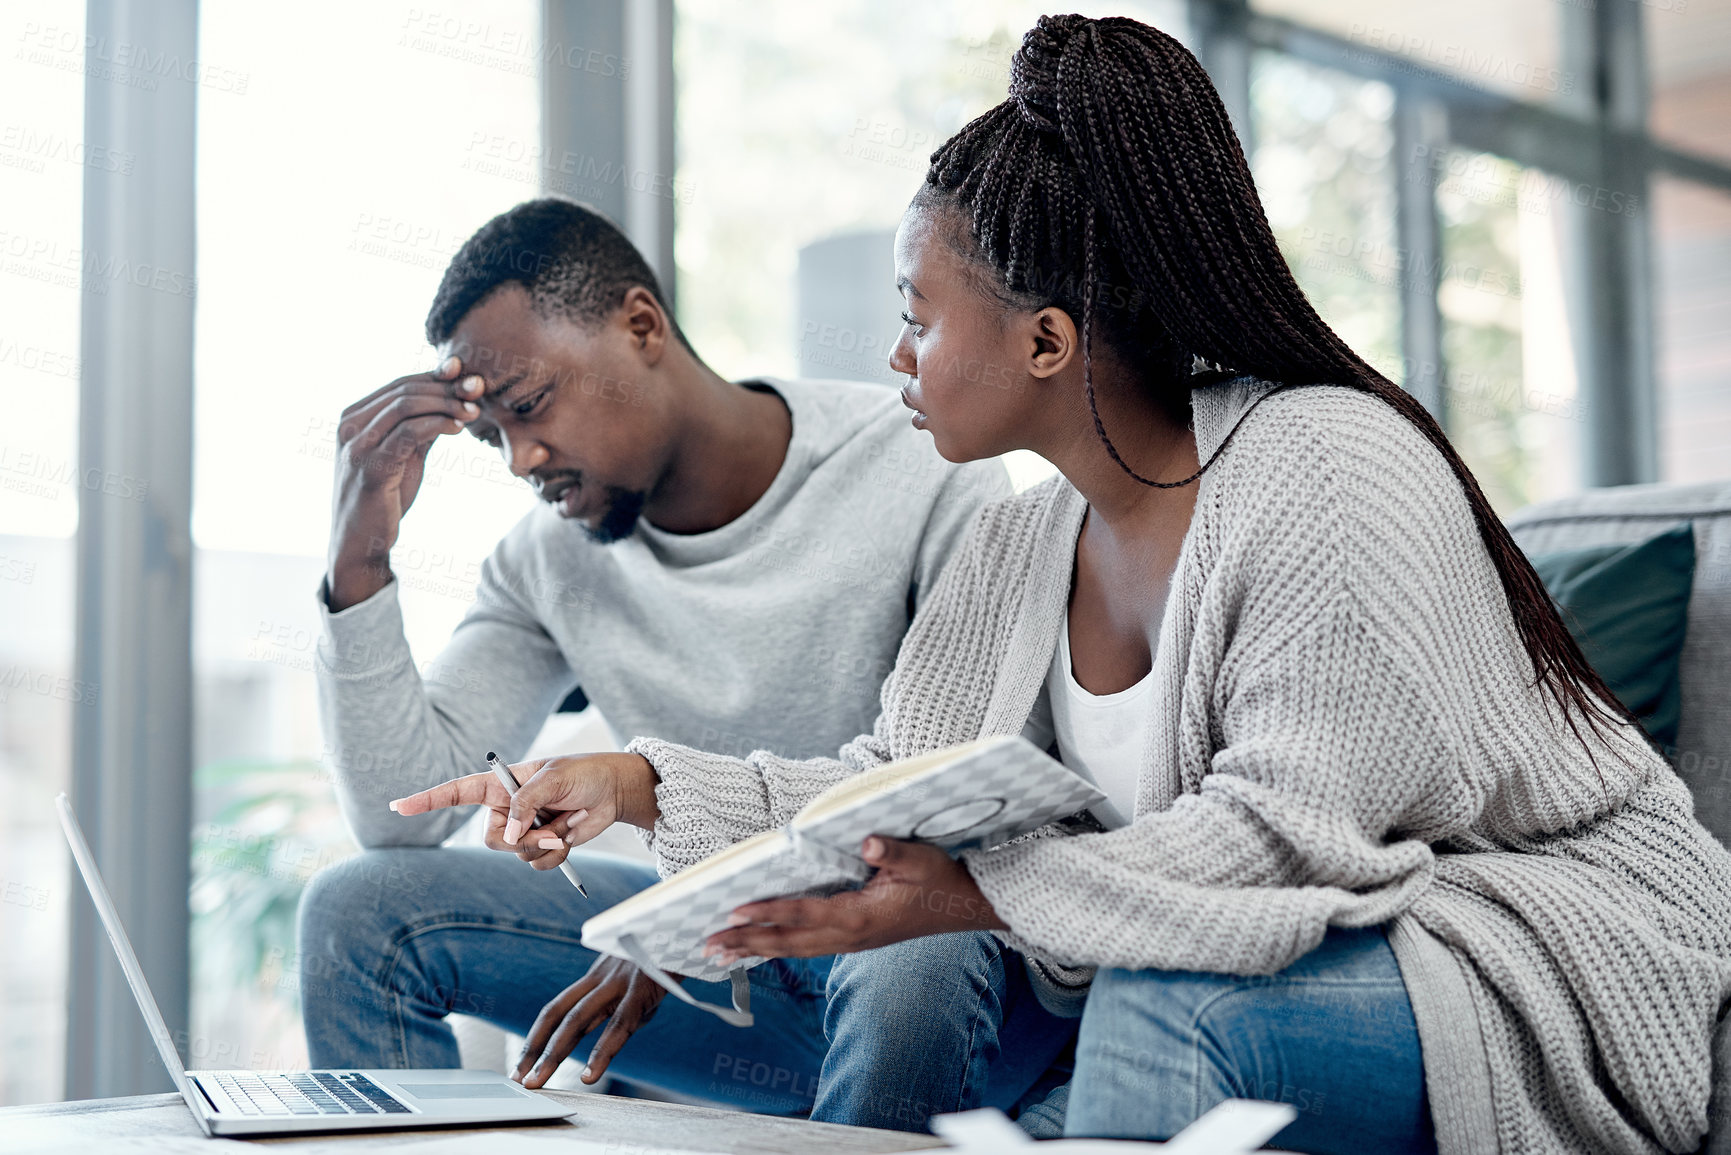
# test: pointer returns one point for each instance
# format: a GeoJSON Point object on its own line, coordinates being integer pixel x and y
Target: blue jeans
{"type": "Point", "coordinates": [392, 941]}
{"type": "Point", "coordinates": [1332, 1034]}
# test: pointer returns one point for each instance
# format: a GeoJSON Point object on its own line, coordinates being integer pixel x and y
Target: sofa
{"type": "Point", "coordinates": [1631, 513]}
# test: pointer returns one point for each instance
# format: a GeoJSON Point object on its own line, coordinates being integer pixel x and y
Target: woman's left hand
{"type": "Point", "coordinates": [918, 890]}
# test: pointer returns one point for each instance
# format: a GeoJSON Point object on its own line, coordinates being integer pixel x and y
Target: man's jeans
{"type": "Point", "coordinates": [1332, 1034]}
{"type": "Point", "coordinates": [392, 941]}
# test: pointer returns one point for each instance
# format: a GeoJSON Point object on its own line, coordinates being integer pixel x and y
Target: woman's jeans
{"type": "Point", "coordinates": [392, 941]}
{"type": "Point", "coordinates": [1332, 1034]}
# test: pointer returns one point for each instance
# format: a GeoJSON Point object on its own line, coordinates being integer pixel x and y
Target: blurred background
{"type": "Point", "coordinates": [222, 222]}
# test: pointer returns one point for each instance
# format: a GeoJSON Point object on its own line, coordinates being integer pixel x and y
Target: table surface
{"type": "Point", "coordinates": [163, 1123]}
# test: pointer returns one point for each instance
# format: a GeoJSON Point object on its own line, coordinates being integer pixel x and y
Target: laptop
{"type": "Point", "coordinates": [301, 1102]}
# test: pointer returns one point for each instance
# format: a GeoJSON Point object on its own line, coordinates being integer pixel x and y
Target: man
{"type": "Point", "coordinates": [697, 570]}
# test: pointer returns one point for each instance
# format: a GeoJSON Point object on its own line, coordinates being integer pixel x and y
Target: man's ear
{"type": "Point", "coordinates": [643, 318]}
{"type": "Point", "coordinates": [1052, 341]}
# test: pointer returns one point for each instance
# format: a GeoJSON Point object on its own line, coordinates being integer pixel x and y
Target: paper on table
{"type": "Point", "coordinates": [1235, 1127]}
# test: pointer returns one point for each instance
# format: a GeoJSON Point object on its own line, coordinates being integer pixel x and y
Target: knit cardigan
{"type": "Point", "coordinates": [1346, 732]}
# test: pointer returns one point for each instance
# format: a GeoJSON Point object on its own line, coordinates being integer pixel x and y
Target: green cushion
{"type": "Point", "coordinates": [1628, 607]}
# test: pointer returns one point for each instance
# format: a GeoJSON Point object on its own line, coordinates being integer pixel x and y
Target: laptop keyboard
{"type": "Point", "coordinates": [307, 1093]}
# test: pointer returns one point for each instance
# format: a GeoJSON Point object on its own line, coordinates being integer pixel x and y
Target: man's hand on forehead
{"type": "Point", "coordinates": [382, 445]}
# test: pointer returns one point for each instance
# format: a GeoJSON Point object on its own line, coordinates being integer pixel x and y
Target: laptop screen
{"type": "Point", "coordinates": [128, 960]}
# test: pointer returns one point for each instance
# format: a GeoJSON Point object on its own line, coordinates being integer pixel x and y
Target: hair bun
{"type": "Point", "coordinates": [1034, 69]}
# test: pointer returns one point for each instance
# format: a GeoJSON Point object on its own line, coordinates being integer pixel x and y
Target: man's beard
{"type": "Point", "coordinates": [620, 516]}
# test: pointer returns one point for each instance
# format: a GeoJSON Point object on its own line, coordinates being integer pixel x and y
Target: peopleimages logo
{"type": "Point", "coordinates": [54, 475]}
{"type": "Point", "coordinates": [498, 46]}
{"type": "Point", "coordinates": [1485, 180]}
{"type": "Point", "coordinates": [37, 148]}
{"type": "Point", "coordinates": [122, 61]}
{"type": "Point", "coordinates": [1382, 263]}
{"type": "Point", "coordinates": [37, 359]}
{"type": "Point", "coordinates": [530, 162]}
{"type": "Point", "coordinates": [44, 259]}
{"type": "Point", "coordinates": [1492, 66]}
{"type": "Point", "coordinates": [16, 678]}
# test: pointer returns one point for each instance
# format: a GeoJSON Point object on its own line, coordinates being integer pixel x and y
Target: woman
{"type": "Point", "coordinates": [1397, 856]}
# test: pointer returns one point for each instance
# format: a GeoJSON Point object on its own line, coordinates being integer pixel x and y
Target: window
{"type": "Point", "coordinates": [43, 156]}
{"type": "Point", "coordinates": [368, 144]}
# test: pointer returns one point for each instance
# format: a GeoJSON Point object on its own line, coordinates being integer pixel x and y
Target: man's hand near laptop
{"type": "Point", "coordinates": [382, 444]}
{"type": "Point", "coordinates": [614, 990]}
{"type": "Point", "coordinates": [577, 798]}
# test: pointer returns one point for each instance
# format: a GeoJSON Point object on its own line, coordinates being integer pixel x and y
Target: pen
{"type": "Point", "coordinates": [510, 784]}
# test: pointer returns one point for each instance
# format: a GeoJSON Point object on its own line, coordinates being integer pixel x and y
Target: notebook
{"type": "Point", "coordinates": [978, 794]}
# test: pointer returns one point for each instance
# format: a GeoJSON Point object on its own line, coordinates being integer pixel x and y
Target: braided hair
{"type": "Point", "coordinates": [1111, 184]}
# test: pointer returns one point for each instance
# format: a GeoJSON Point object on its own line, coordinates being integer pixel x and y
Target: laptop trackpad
{"type": "Point", "coordinates": [460, 1090]}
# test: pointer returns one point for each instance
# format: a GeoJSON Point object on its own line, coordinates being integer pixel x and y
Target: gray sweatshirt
{"type": "Point", "coordinates": [1346, 733]}
{"type": "Point", "coordinates": [774, 631]}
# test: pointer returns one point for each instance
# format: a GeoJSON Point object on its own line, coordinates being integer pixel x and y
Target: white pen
{"type": "Point", "coordinates": [510, 784]}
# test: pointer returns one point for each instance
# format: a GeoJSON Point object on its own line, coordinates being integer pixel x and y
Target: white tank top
{"type": "Point", "coordinates": [1102, 737]}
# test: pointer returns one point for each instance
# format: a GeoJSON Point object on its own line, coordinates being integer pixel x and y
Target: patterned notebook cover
{"type": "Point", "coordinates": [979, 794]}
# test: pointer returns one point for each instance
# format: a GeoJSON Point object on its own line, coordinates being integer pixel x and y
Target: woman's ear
{"type": "Point", "coordinates": [1053, 341]}
{"type": "Point", "coordinates": [644, 319]}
